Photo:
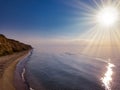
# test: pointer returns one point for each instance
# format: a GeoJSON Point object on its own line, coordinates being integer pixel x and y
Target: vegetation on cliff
{"type": "Point", "coordinates": [9, 46]}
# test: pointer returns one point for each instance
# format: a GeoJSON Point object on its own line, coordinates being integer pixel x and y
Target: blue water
{"type": "Point", "coordinates": [64, 71]}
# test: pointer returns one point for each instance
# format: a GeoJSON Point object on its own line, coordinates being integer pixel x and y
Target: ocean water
{"type": "Point", "coordinates": [49, 70]}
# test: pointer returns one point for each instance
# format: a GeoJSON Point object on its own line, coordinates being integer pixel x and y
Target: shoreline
{"type": "Point", "coordinates": [8, 66]}
{"type": "Point", "coordinates": [19, 78]}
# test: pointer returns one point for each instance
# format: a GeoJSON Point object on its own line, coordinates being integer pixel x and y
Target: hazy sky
{"type": "Point", "coordinates": [41, 18]}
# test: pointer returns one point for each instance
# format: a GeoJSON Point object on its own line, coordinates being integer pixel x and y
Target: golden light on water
{"type": "Point", "coordinates": [107, 79]}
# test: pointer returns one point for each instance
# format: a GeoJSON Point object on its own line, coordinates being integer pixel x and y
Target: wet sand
{"type": "Point", "coordinates": [7, 67]}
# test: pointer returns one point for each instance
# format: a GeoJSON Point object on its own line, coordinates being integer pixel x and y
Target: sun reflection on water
{"type": "Point", "coordinates": [107, 78]}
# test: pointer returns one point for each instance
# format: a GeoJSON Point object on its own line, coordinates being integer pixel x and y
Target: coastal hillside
{"type": "Point", "coordinates": [9, 46]}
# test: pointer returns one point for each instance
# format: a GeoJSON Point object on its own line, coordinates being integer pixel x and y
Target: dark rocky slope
{"type": "Point", "coordinates": [9, 46]}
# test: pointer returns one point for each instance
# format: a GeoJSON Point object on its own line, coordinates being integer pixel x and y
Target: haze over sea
{"type": "Point", "coordinates": [65, 68]}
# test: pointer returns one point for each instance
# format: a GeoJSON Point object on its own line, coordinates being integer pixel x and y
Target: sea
{"type": "Point", "coordinates": [53, 68]}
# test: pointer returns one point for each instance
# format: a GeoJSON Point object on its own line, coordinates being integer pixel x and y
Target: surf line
{"type": "Point", "coordinates": [24, 71]}
{"type": "Point", "coordinates": [24, 79]}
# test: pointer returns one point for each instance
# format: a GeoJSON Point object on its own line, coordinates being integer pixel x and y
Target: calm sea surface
{"type": "Point", "coordinates": [71, 71]}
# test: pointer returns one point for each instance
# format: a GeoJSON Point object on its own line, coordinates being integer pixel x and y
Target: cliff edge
{"type": "Point", "coordinates": [9, 46]}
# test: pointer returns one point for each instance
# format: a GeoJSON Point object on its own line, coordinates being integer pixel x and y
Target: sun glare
{"type": "Point", "coordinates": [102, 21]}
{"type": "Point", "coordinates": [107, 79]}
{"type": "Point", "coordinates": [102, 32]}
{"type": "Point", "coordinates": [108, 16]}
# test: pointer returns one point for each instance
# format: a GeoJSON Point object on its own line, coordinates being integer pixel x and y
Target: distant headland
{"type": "Point", "coordinates": [9, 46]}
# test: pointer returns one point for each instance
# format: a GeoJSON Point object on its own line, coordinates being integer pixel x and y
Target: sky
{"type": "Point", "coordinates": [41, 18]}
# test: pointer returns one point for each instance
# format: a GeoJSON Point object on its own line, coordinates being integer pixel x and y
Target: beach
{"type": "Point", "coordinates": [7, 69]}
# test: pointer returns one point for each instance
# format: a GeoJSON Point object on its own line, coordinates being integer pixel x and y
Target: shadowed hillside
{"type": "Point", "coordinates": [9, 46]}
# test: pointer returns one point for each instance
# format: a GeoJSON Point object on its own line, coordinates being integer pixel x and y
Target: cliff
{"type": "Point", "coordinates": [9, 46]}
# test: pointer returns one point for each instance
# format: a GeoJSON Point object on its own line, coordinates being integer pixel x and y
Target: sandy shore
{"type": "Point", "coordinates": [7, 68]}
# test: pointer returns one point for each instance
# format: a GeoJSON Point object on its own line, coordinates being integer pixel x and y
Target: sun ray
{"type": "Point", "coordinates": [103, 35]}
{"type": "Point", "coordinates": [99, 34]}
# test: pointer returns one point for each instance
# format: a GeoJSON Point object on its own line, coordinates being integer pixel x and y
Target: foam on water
{"type": "Point", "coordinates": [22, 74]}
{"type": "Point", "coordinates": [31, 88]}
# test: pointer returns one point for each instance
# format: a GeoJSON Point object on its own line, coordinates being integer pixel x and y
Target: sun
{"type": "Point", "coordinates": [107, 16]}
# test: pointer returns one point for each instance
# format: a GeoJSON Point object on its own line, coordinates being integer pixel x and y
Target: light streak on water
{"type": "Point", "coordinates": [31, 88]}
{"type": "Point", "coordinates": [107, 78]}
